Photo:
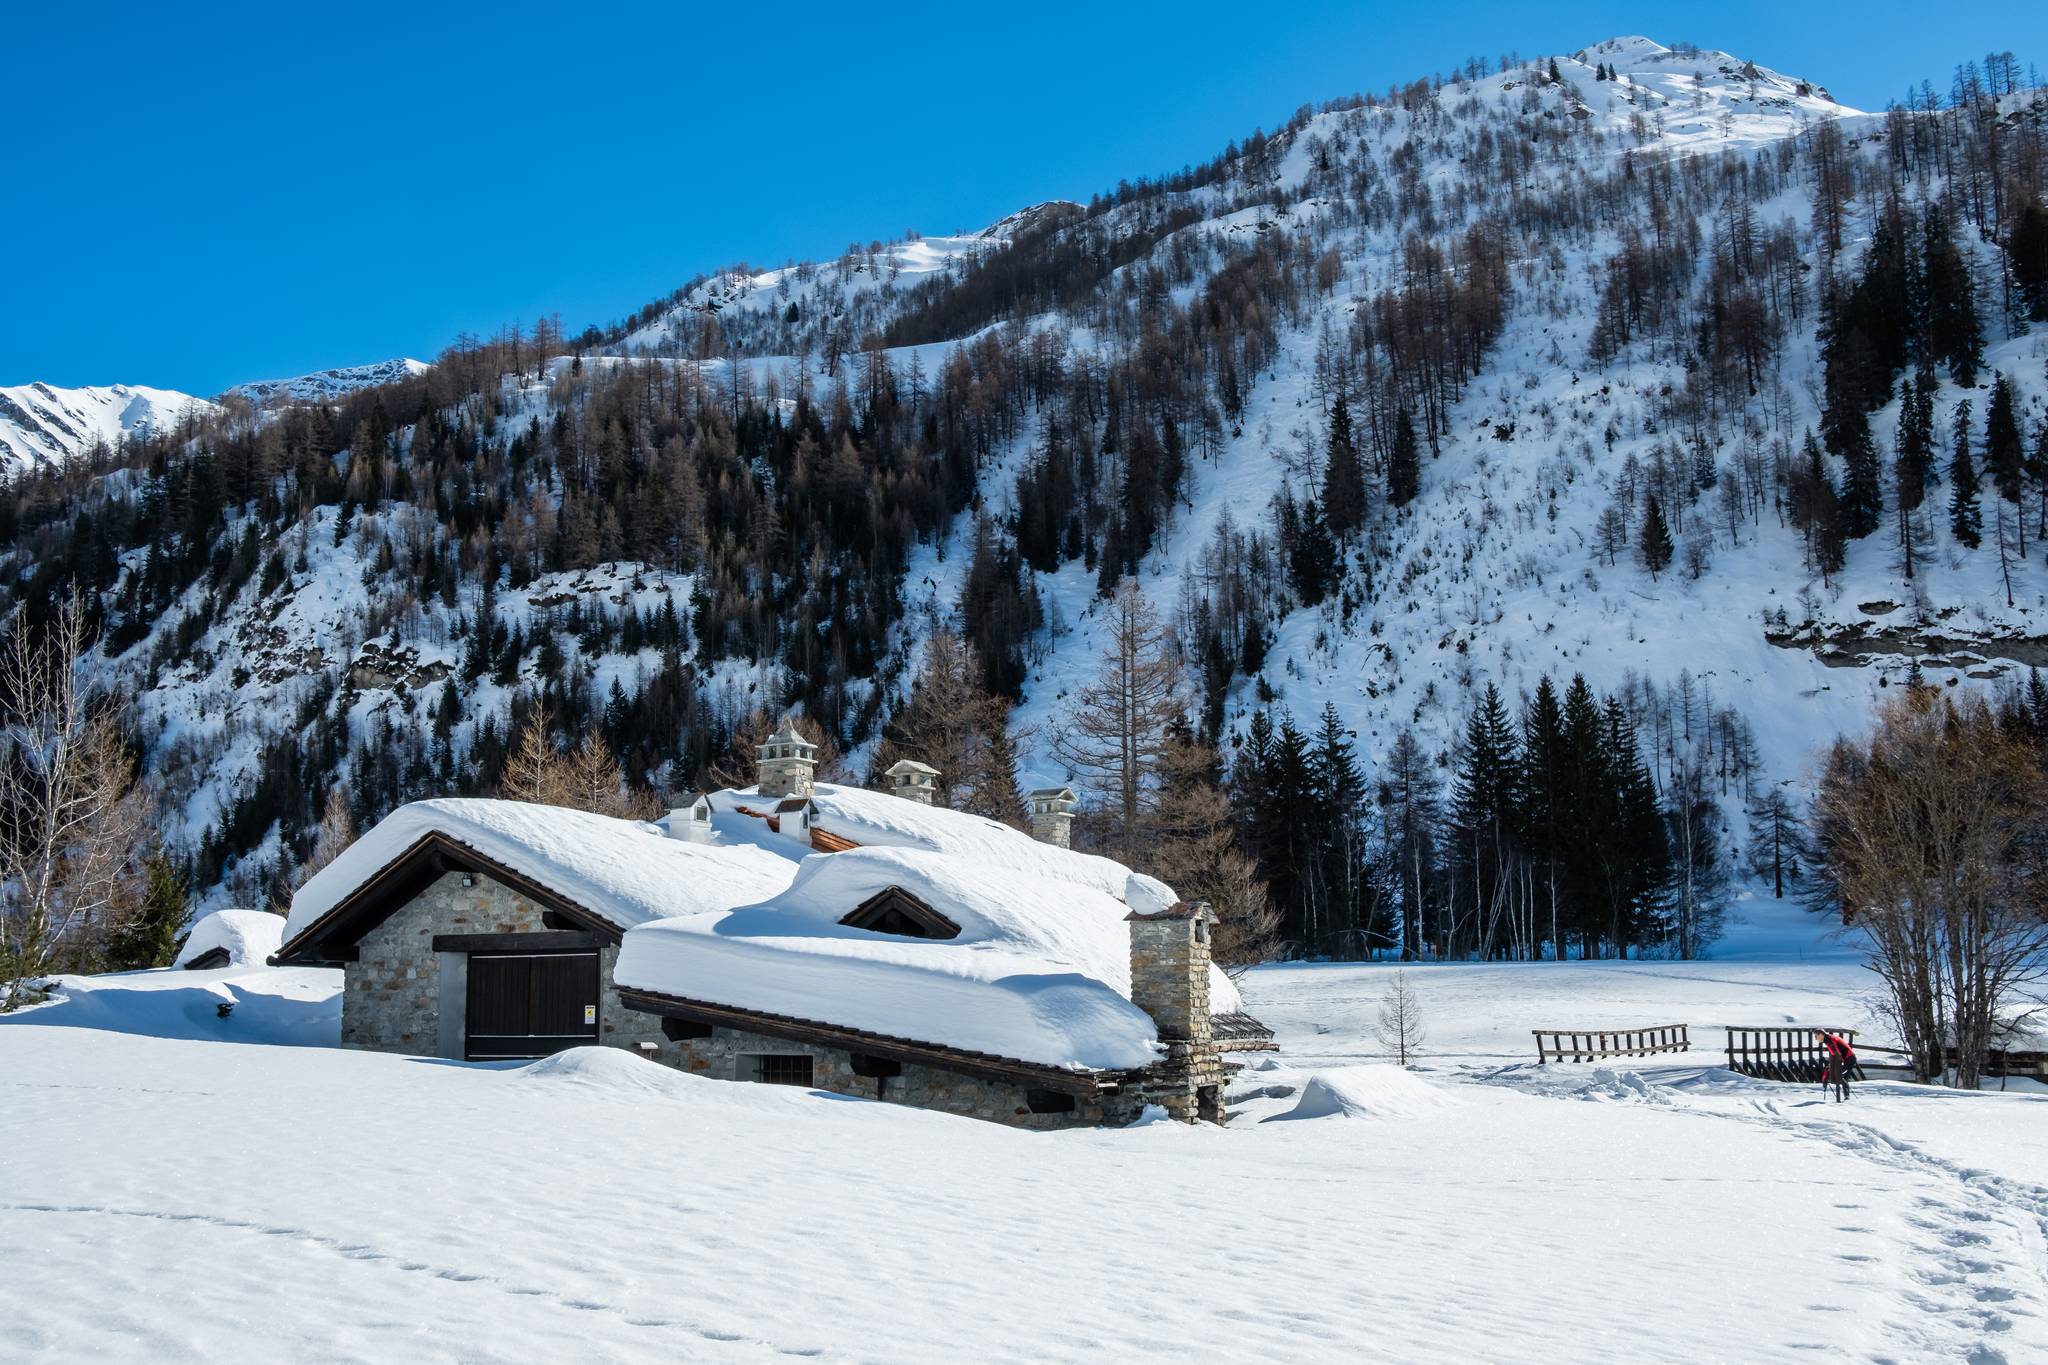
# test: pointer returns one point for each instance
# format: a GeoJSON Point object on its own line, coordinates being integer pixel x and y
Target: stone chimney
{"type": "Point", "coordinates": [1170, 982]}
{"type": "Point", "coordinates": [1170, 969]}
{"type": "Point", "coordinates": [1052, 815]}
{"type": "Point", "coordinates": [913, 781]}
{"type": "Point", "coordinates": [789, 763]}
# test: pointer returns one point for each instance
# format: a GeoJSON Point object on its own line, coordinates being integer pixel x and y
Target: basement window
{"type": "Point", "coordinates": [1048, 1101]}
{"type": "Point", "coordinates": [875, 1068]}
{"type": "Point", "coordinates": [682, 1030]}
{"type": "Point", "coordinates": [775, 1068]}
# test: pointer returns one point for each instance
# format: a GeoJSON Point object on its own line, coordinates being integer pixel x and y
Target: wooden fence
{"type": "Point", "coordinates": [1581, 1045]}
{"type": "Point", "coordinates": [1784, 1054]}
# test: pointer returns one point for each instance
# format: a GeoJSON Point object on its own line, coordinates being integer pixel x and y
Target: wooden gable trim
{"type": "Point", "coordinates": [824, 841]}
{"type": "Point", "coordinates": [333, 937]}
{"type": "Point", "coordinates": [864, 915]}
{"type": "Point", "coordinates": [982, 1064]}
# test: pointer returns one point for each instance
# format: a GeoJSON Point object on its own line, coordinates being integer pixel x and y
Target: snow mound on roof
{"type": "Point", "coordinates": [624, 871]}
{"type": "Point", "coordinates": [249, 936]}
{"type": "Point", "coordinates": [1039, 972]}
{"type": "Point", "coordinates": [1367, 1092]}
{"type": "Point", "coordinates": [872, 818]}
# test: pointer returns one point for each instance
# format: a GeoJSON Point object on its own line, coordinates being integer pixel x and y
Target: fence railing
{"type": "Point", "coordinates": [1783, 1054]}
{"type": "Point", "coordinates": [1590, 1045]}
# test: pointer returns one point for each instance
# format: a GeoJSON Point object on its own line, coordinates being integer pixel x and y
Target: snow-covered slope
{"type": "Point", "coordinates": [42, 425]}
{"type": "Point", "coordinates": [1492, 575]}
{"type": "Point", "coordinates": [327, 385]}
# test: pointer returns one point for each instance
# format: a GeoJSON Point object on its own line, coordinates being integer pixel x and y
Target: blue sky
{"type": "Point", "coordinates": [192, 202]}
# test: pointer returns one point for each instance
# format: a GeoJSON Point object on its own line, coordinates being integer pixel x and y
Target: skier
{"type": "Point", "coordinates": [1840, 1057]}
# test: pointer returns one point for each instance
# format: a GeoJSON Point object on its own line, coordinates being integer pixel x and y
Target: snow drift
{"type": "Point", "coordinates": [1367, 1092]}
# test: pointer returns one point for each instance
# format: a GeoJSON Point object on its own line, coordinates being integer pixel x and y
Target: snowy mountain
{"type": "Point", "coordinates": [1583, 283]}
{"type": "Point", "coordinates": [42, 426]}
{"type": "Point", "coordinates": [325, 386]}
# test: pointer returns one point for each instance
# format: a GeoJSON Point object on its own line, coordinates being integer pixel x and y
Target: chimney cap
{"type": "Point", "coordinates": [787, 733]}
{"type": "Point", "coordinates": [903, 766]}
{"type": "Point", "coordinates": [1050, 794]}
{"type": "Point", "coordinates": [1194, 910]}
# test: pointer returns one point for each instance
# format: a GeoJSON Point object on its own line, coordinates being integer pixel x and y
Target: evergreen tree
{"type": "Point", "coordinates": [2004, 453]}
{"type": "Point", "coordinates": [1966, 520]}
{"type": "Point", "coordinates": [1638, 863]}
{"type": "Point", "coordinates": [1820, 512]}
{"type": "Point", "coordinates": [1592, 796]}
{"type": "Point", "coordinates": [2028, 249]}
{"type": "Point", "coordinates": [1481, 842]}
{"type": "Point", "coordinates": [1404, 465]}
{"type": "Point", "coordinates": [1862, 502]}
{"type": "Point", "coordinates": [1408, 806]}
{"type": "Point", "coordinates": [1343, 479]}
{"type": "Point", "coordinates": [1954, 337]}
{"type": "Point", "coordinates": [1340, 801]}
{"type": "Point", "coordinates": [149, 936]}
{"type": "Point", "coordinates": [1915, 444]}
{"type": "Point", "coordinates": [1654, 544]}
{"type": "Point", "coordinates": [1311, 553]}
{"type": "Point", "coordinates": [1549, 804]}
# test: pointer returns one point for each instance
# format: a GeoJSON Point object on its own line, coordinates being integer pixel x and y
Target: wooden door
{"type": "Point", "coordinates": [530, 1004]}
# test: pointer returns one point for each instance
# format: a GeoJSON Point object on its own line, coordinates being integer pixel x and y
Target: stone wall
{"type": "Point", "coordinates": [721, 1057]}
{"type": "Point", "coordinates": [402, 996]}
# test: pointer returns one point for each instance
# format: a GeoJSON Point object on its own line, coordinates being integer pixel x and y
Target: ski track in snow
{"type": "Point", "coordinates": [364, 1253]}
{"type": "Point", "coordinates": [1977, 1248]}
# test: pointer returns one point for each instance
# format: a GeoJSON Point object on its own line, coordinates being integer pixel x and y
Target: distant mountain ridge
{"type": "Point", "coordinates": [323, 386]}
{"type": "Point", "coordinates": [43, 426]}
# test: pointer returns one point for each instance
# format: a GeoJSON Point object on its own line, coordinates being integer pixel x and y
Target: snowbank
{"type": "Point", "coordinates": [1367, 1092]}
{"type": "Point", "coordinates": [287, 1006]}
{"type": "Point", "coordinates": [611, 1070]}
{"type": "Point", "coordinates": [625, 871]}
{"type": "Point", "coordinates": [249, 936]}
{"type": "Point", "coordinates": [1040, 970]}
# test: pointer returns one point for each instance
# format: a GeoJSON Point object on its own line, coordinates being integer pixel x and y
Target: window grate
{"type": "Point", "coordinates": [778, 1068]}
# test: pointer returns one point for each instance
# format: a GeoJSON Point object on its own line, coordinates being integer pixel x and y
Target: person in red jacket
{"type": "Point", "coordinates": [1839, 1058]}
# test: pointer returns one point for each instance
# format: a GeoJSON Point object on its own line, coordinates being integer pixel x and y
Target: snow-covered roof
{"type": "Point", "coordinates": [248, 937]}
{"type": "Point", "coordinates": [624, 871]}
{"type": "Point", "coordinates": [878, 819]}
{"type": "Point", "coordinates": [1039, 972]}
{"type": "Point", "coordinates": [1045, 914]}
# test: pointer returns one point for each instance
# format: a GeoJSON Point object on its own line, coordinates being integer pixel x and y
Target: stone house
{"type": "Point", "coordinates": [795, 932]}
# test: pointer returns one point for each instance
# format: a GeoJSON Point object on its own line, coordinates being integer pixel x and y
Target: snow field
{"type": "Point", "coordinates": [167, 1198]}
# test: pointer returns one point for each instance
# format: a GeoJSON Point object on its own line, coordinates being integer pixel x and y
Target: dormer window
{"type": "Point", "coordinates": [893, 910]}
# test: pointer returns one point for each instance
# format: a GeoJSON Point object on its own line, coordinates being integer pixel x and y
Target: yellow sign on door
{"type": "Point", "coordinates": [590, 1014]}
